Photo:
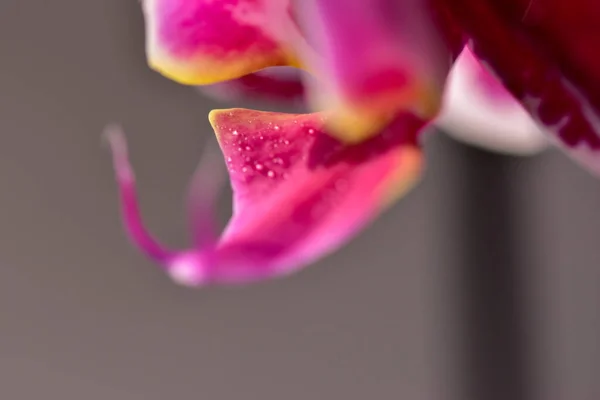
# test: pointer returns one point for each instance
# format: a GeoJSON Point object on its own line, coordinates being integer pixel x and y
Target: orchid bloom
{"type": "Point", "coordinates": [374, 75]}
{"type": "Point", "coordinates": [476, 108]}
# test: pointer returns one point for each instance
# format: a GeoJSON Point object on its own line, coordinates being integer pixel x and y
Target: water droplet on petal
{"type": "Point", "coordinates": [235, 133]}
{"type": "Point", "coordinates": [271, 174]}
{"type": "Point", "coordinates": [259, 167]}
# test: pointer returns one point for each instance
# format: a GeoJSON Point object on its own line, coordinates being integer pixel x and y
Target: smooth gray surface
{"type": "Point", "coordinates": [82, 315]}
{"type": "Point", "coordinates": [563, 225]}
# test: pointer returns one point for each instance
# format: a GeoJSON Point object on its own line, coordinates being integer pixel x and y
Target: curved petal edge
{"type": "Point", "coordinates": [299, 194]}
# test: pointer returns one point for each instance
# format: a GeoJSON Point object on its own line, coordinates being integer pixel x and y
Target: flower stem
{"type": "Point", "coordinates": [493, 288]}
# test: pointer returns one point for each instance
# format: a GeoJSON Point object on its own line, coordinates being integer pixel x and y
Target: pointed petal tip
{"type": "Point", "coordinates": [216, 118]}
{"type": "Point", "coordinates": [131, 216]}
{"type": "Point", "coordinates": [214, 114]}
{"type": "Point", "coordinates": [114, 136]}
{"type": "Point", "coordinates": [478, 110]}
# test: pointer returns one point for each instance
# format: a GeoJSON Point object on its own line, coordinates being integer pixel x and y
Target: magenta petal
{"type": "Point", "coordinates": [199, 42]}
{"type": "Point", "coordinates": [374, 58]}
{"type": "Point", "coordinates": [272, 84]}
{"type": "Point", "coordinates": [298, 194]}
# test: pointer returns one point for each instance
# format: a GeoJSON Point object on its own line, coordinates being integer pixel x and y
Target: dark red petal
{"type": "Point", "coordinates": [546, 54]}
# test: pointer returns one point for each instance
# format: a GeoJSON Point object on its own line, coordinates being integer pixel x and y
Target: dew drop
{"type": "Point", "coordinates": [248, 148]}
{"type": "Point", "coordinates": [311, 131]}
{"type": "Point", "coordinates": [276, 127]}
{"type": "Point", "coordinates": [244, 169]}
{"type": "Point", "coordinates": [259, 167]}
{"type": "Point", "coordinates": [235, 133]}
{"type": "Point", "coordinates": [271, 174]}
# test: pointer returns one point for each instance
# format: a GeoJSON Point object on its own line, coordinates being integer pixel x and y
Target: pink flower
{"type": "Point", "coordinates": [298, 194]}
{"type": "Point", "coordinates": [476, 108]}
{"type": "Point", "coordinates": [375, 74]}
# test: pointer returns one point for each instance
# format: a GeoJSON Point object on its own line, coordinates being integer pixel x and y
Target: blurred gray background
{"type": "Point", "coordinates": [84, 316]}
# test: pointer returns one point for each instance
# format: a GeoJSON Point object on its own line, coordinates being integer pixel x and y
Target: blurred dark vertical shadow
{"type": "Point", "coordinates": [491, 279]}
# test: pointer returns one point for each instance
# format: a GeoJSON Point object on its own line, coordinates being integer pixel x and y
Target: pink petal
{"type": "Point", "coordinates": [478, 110]}
{"type": "Point", "coordinates": [128, 198]}
{"type": "Point", "coordinates": [373, 58]}
{"type": "Point", "coordinates": [298, 194]}
{"type": "Point", "coordinates": [275, 84]}
{"type": "Point", "coordinates": [200, 42]}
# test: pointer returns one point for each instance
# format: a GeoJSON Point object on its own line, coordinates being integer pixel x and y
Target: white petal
{"type": "Point", "coordinates": [494, 121]}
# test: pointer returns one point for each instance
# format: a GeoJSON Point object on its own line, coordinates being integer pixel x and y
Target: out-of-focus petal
{"type": "Point", "coordinates": [372, 59]}
{"type": "Point", "coordinates": [277, 84]}
{"type": "Point", "coordinates": [546, 54]}
{"type": "Point", "coordinates": [478, 110]}
{"type": "Point", "coordinates": [298, 194]}
{"type": "Point", "coordinates": [199, 42]}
